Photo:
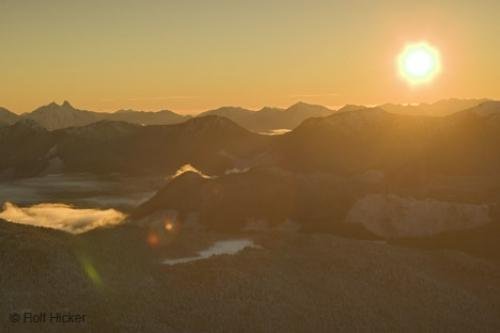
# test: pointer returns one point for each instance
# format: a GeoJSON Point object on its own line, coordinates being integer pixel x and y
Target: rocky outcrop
{"type": "Point", "coordinates": [392, 216]}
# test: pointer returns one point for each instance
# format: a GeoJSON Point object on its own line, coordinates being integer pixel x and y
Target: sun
{"type": "Point", "coordinates": [419, 63]}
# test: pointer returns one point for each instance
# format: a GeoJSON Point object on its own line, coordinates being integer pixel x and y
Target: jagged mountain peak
{"type": "Point", "coordinates": [299, 104]}
{"type": "Point", "coordinates": [54, 107]}
{"type": "Point", "coordinates": [67, 104]}
{"type": "Point", "coordinates": [306, 106]}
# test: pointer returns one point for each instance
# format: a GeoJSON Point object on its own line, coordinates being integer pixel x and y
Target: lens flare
{"type": "Point", "coordinates": [153, 240]}
{"type": "Point", "coordinates": [419, 63]}
{"type": "Point", "coordinates": [90, 270]}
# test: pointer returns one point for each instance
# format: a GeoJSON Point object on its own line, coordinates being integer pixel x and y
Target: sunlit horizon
{"type": "Point", "coordinates": [245, 107]}
{"type": "Point", "coordinates": [189, 57]}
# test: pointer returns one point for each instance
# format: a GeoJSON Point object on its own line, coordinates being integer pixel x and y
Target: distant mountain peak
{"type": "Point", "coordinates": [299, 104]}
{"type": "Point", "coordinates": [54, 106]}
{"type": "Point", "coordinates": [351, 107]}
{"type": "Point", "coordinates": [67, 104]}
{"type": "Point", "coordinates": [231, 108]}
{"type": "Point", "coordinates": [303, 106]}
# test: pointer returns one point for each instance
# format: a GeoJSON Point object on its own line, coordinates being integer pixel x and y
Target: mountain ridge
{"type": "Point", "coordinates": [269, 118]}
{"type": "Point", "coordinates": [56, 116]}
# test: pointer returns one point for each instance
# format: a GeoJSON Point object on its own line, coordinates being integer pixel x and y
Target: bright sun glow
{"type": "Point", "coordinates": [419, 63]}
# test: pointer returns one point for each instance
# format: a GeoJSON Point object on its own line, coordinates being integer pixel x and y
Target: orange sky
{"type": "Point", "coordinates": [194, 56]}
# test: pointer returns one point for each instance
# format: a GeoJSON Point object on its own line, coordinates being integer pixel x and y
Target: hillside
{"type": "Point", "coordinates": [372, 139]}
{"type": "Point", "coordinates": [212, 144]}
{"type": "Point", "coordinates": [164, 117]}
{"type": "Point", "coordinates": [7, 117]}
{"type": "Point", "coordinates": [24, 148]}
{"type": "Point", "coordinates": [54, 116]}
{"type": "Point", "coordinates": [438, 109]}
{"type": "Point", "coordinates": [292, 282]}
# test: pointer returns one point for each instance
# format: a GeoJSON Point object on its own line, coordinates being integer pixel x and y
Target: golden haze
{"type": "Point", "coordinates": [191, 57]}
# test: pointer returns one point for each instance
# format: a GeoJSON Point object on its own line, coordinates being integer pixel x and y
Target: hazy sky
{"type": "Point", "coordinates": [195, 55]}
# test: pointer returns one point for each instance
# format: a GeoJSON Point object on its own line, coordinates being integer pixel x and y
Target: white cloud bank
{"type": "Point", "coordinates": [61, 216]}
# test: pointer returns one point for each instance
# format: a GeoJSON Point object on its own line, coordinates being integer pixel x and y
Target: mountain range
{"type": "Point", "coordinates": [54, 116]}
{"type": "Point", "coordinates": [211, 143]}
{"type": "Point", "coordinates": [440, 108]}
{"type": "Point", "coordinates": [343, 143]}
{"type": "Point", "coordinates": [366, 206]}
{"type": "Point", "coordinates": [419, 181]}
{"type": "Point", "coordinates": [7, 117]}
{"type": "Point", "coordinates": [373, 139]}
{"type": "Point", "coordinates": [266, 120]}
{"type": "Point", "coordinates": [317, 173]}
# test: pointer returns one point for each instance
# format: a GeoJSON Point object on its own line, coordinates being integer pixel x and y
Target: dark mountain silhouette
{"type": "Point", "coordinates": [344, 143]}
{"type": "Point", "coordinates": [489, 109]}
{"type": "Point", "coordinates": [164, 117]}
{"type": "Point", "coordinates": [438, 109]}
{"type": "Point", "coordinates": [331, 168]}
{"type": "Point", "coordinates": [7, 117]}
{"type": "Point", "coordinates": [271, 118]}
{"type": "Point", "coordinates": [24, 148]}
{"type": "Point", "coordinates": [353, 142]}
{"type": "Point", "coordinates": [351, 107]}
{"type": "Point", "coordinates": [265, 199]}
{"type": "Point", "coordinates": [234, 113]}
{"type": "Point", "coordinates": [261, 198]}
{"type": "Point", "coordinates": [54, 116]}
{"type": "Point", "coordinates": [400, 145]}
{"type": "Point", "coordinates": [212, 144]}
{"type": "Point", "coordinates": [313, 179]}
